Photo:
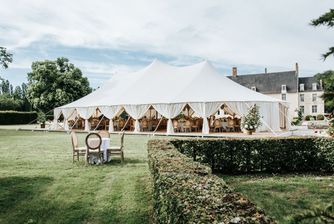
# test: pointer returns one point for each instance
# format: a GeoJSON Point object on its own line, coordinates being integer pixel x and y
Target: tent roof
{"type": "Point", "coordinates": [163, 83]}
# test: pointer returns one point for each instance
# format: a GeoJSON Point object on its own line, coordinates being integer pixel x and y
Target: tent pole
{"type": "Point", "coordinates": [127, 121]}
{"type": "Point", "coordinates": [157, 125]}
{"type": "Point", "coordinates": [287, 117]}
{"type": "Point", "coordinates": [74, 124]}
{"type": "Point", "coordinates": [67, 118]}
{"type": "Point", "coordinates": [265, 123]}
{"type": "Point", "coordinates": [99, 123]}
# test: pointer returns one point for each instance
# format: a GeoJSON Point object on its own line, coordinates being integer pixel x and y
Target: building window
{"type": "Point", "coordinates": [302, 109]}
{"type": "Point", "coordinates": [253, 88]}
{"type": "Point", "coordinates": [283, 96]}
{"type": "Point", "coordinates": [314, 109]}
{"type": "Point", "coordinates": [314, 86]}
{"type": "Point", "coordinates": [301, 97]}
{"type": "Point", "coordinates": [314, 97]}
{"type": "Point", "coordinates": [301, 87]}
{"type": "Point", "coordinates": [283, 88]}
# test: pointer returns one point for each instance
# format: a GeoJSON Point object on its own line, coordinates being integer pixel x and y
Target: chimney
{"type": "Point", "coordinates": [234, 71]}
{"type": "Point", "coordinates": [321, 87]}
{"type": "Point", "coordinates": [265, 70]}
{"type": "Point", "coordinates": [297, 69]}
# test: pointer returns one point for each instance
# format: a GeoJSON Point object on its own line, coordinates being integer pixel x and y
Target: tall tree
{"type": "Point", "coordinates": [17, 94]}
{"type": "Point", "coordinates": [328, 85]}
{"type": "Point", "coordinates": [5, 87]}
{"type": "Point", "coordinates": [326, 19]}
{"type": "Point", "coordinates": [5, 57]}
{"type": "Point", "coordinates": [26, 104]}
{"type": "Point", "coordinates": [55, 83]}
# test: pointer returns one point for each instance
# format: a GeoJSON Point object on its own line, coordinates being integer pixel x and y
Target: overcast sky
{"type": "Point", "coordinates": [106, 37]}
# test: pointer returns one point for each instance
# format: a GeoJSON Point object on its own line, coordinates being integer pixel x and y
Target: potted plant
{"type": "Point", "coordinates": [41, 118]}
{"type": "Point", "coordinates": [252, 120]}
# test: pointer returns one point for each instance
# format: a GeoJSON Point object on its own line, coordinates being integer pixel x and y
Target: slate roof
{"type": "Point", "coordinates": [307, 81]}
{"type": "Point", "coordinates": [269, 83]}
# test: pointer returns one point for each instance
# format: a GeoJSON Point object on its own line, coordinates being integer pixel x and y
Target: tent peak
{"type": "Point", "coordinates": [157, 63]}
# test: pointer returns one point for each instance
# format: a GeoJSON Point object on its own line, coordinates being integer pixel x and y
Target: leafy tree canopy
{"type": "Point", "coordinates": [5, 57]}
{"type": "Point", "coordinates": [326, 19]}
{"type": "Point", "coordinates": [328, 85]}
{"type": "Point", "coordinates": [13, 99]}
{"type": "Point", "coordinates": [55, 83]}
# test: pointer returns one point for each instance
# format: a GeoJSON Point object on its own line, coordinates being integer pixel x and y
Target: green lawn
{"type": "Point", "coordinates": [285, 195]}
{"type": "Point", "coordinates": [39, 183]}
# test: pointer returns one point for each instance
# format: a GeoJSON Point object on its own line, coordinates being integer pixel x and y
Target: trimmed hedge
{"type": "Point", "coordinates": [17, 117]}
{"type": "Point", "coordinates": [186, 192]}
{"type": "Point", "coordinates": [261, 155]}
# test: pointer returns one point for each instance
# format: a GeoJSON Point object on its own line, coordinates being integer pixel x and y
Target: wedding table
{"type": "Point", "coordinates": [104, 147]}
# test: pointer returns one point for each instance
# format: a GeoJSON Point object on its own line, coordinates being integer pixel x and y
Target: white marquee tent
{"type": "Point", "coordinates": [168, 89]}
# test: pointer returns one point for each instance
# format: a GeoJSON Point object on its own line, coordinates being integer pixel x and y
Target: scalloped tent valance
{"type": "Point", "coordinates": [168, 88]}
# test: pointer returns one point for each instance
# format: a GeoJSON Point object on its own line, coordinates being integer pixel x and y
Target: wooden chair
{"type": "Point", "coordinates": [93, 123]}
{"type": "Point", "coordinates": [176, 126]}
{"type": "Point", "coordinates": [237, 125]}
{"type": "Point", "coordinates": [230, 124]}
{"type": "Point", "coordinates": [104, 134]}
{"type": "Point", "coordinates": [144, 125]}
{"type": "Point", "coordinates": [218, 126]}
{"type": "Point", "coordinates": [196, 125]}
{"type": "Point", "coordinates": [71, 124]}
{"type": "Point", "coordinates": [211, 124]}
{"type": "Point", "coordinates": [121, 124]}
{"type": "Point", "coordinates": [116, 123]}
{"type": "Point", "coordinates": [117, 150]}
{"type": "Point", "coordinates": [77, 151]}
{"type": "Point", "coordinates": [132, 124]}
{"type": "Point", "coordinates": [224, 125]}
{"type": "Point", "coordinates": [154, 124]}
{"type": "Point", "coordinates": [93, 143]}
{"type": "Point", "coordinates": [187, 126]}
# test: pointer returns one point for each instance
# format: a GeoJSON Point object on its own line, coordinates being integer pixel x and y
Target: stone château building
{"type": "Point", "coordinates": [302, 93]}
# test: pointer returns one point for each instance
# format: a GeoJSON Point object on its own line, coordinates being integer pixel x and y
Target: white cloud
{"type": "Point", "coordinates": [103, 68]}
{"type": "Point", "coordinates": [262, 33]}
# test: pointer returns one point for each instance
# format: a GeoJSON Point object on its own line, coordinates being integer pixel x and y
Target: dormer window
{"type": "Point", "coordinates": [283, 89]}
{"type": "Point", "coordinates": [301, 87]}
{"type": "Point", "coordinates": [253, 88]}
{"type": "Point", "coordinates": [314, 86]}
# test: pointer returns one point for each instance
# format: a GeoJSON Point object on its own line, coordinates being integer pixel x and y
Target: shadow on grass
{"type": "Point", "coordinates": [23, 200]}
{"type": "Point", "coordinates": [117, 161]}
{"type": "Point", "coordinates": [14, 190]}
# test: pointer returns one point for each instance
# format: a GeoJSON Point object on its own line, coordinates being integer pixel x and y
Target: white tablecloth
{"type": "Point", "coordinates": [104, 146]}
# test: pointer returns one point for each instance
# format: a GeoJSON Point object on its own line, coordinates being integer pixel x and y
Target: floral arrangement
{"type": "Point", "coordinates": [41, 117]}
{"type": "Point", "coordinates": [253, 119]}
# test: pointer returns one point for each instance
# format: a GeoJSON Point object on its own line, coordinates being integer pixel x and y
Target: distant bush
{"type": "Point", "coordinates": [331, 127]}
{"type": "Point", "coordinates": [9, 103]}
{"type": "Point", "coordinates": [184, 191]}
{"type": "Point", "coordinates": [295, 121]}
{"type": "Point", "coordinates": [309, 118]}
{"type": "Point", "coordinates": [261, 155]}
{"type": "Point", "coordinates": [320, 117]}
{"type": "Point", "coordinates": [17, 117]}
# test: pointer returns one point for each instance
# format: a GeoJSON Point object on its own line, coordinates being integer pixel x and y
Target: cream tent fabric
{"type": "Point", "coordinates": [164, 86]}
{"type": "Point", "coordinates": [169, 111]}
